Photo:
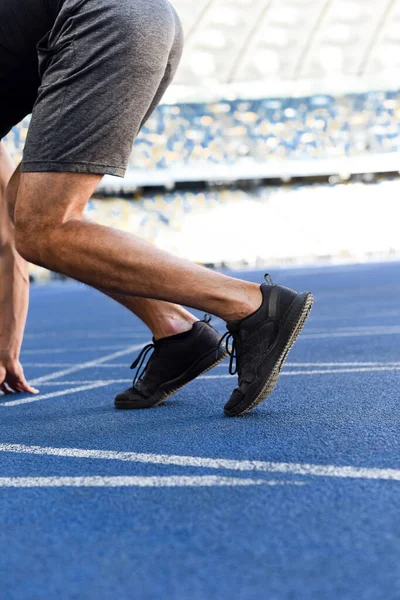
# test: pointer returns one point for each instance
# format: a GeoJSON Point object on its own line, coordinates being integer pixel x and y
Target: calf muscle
{"type": "Point", "coordinates": [51, 232]}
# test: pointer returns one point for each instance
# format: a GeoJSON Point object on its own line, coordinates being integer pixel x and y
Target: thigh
{"type": "Point", "coordinates": [102, 67]}
{"type": "Point", "coordinates": [44, 201]}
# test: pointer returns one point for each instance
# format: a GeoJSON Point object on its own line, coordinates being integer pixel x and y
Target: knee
{"type": "Point", "coordinates": [32, 236]}
{"type": "Point", "coordinates": [28, 243]}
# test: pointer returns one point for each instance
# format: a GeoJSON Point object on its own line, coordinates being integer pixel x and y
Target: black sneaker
{"type": "Point", "coordinates": [261, 342]}
{"type": "Point", "coordinates": [175, 361]}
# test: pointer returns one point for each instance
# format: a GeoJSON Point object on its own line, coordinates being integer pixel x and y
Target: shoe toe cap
{"type": "Point", "coordinates": [129, 396]}
{"type": "Point", "coordinates": [233, 401]}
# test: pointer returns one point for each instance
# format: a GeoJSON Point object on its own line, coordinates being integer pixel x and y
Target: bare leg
{"type": "Point", "coordinates": [162, 318]}
{"type": "Point", "coordinates": [51, 231]}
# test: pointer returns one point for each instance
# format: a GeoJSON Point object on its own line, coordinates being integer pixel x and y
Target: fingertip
{"type": "Point", "coordinates": [31, 390]}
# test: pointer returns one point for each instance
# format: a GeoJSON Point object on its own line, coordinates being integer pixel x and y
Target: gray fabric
{"type": "Point", "coordinates": [103, 66]}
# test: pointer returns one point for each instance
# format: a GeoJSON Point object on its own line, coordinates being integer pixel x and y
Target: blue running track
{"type": "Point", "coordinates": [299, 499]}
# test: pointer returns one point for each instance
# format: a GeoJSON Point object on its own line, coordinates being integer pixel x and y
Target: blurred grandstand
{"type": "Point", "coordinates": [270, 92]}
{"type": "Point", "coordinates": [261, 139]}
{"type": "Point", "coordinates": [331, 43]}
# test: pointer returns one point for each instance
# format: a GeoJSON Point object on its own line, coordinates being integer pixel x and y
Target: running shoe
{"type": "Point", "coordinates": [259, 344]}
{"type": "Point", "coordinates": [175, 360]}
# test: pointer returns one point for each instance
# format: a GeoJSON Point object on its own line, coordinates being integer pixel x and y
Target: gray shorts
{"type": "Point", "coordinates": [103, 67]}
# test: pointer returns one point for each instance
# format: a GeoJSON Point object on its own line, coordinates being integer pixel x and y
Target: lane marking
{"type": "Point", "coordinates": [355, 370]}
{"type": "Point", "coordinates": [224, 365]}
{"type": "Point", "coordinates": [211, 463]}
{"type": "Point", "coordinates": [377, 328]}
{"type": "Point", "coordinates": [351, 317]}
{"type": "Point", "coordinates": [341, 364]}
{"type": "Point", "coordinates": [99, 383]}
{"type": "Point", "coordinates": [37, 365]}
{"type": "Point", "coordinates": [87, 335]}
{"type": "Point", "coordinates": [71, 364]}
{"type": "Point", "coordinates": [87, 365]}
{"type": "Point", "coordinates": [134, 481]}
{"type": "Point", "coordinates": [73, 350]}
{"type": "Point", "coordinates": [310, 333]}
{"type": "Point", "coordinates": [39, 397]}
{"type": "Point", "coordinates": [80, 382]}
{"type": "Point", "coordinates": [351, 333]}
{"type": "Point", "coordinates": [316, 372]}
{"type": "Point", "coordinates": [227, 376]}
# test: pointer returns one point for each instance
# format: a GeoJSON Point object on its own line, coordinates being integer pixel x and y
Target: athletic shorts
{"type": "Point", "coordinates": [90, 72]}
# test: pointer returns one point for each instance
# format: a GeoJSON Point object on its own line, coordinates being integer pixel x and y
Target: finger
{"type": "Point", "coordinates": [8, 388]}
{"type": "Point", "coordinates": [12, 383]}
{"type": "Point", "coordinates": [4, 389]}
{"type": "Point", "coordinates": [31, 390]}
{"type": "Point", "coordinates": [23, 386]}
{"type": "Point", "coordinates": [13, 387]}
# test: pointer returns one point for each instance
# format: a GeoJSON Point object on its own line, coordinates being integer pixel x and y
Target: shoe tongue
{"type": "Point", "coordinates": [233, 326]}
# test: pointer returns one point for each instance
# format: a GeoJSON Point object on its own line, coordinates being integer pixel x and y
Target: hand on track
{"type": "Point", "coordinates": [12, 378]}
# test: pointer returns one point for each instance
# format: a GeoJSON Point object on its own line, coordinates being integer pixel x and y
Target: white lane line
{"type": "Point", "coordinates": [353, 316]}
{"type": "Point", "coordinates": [86, 365]}
{"type": "Point", "coordinates": [87, 335]}
{"type": "Point", "coordinates": [92, 384]}
{"type": "Point", "coordinates": [223, 365]}
{"type": "Point", "coordinates": [73, 350]}
{"type": "Point", "coordinates": [355, 370]}
{"type": "Point", "coordinates": [39, 397]}
{"type": "Point", "coordinates": [353, 333]}
{"type": "Point", "coordinates": [223, 376]}
{"type": "Point", "coordinates": [329, 364]}
{"type": "Point", "coordinates": [309, 334]}
{"type": "Point", "coordinates": [211, 463]}
{"type": "Point", "coordinates": [100, 366]}
{"type": "Point", "coordinates": [331, 367]}
{"type": "Point", "coordinates": [317, 372]}
{"type": "Point", "coordinates": [104, 382]}
{"type": "Point", "coordinates": [71, 364]}
{"type": "Point", "coordinates": [227, 376]}
{"type": "Point", "coordinates": [134, 481]}
{"type": "Point", "coordinates": [37, 365]}
{"type": "Point", "coordinates": [377, 328]}
{"type": "Point", "coordinates": [81, 382]}
{"type": "Point", "coordinates": [341, 364]}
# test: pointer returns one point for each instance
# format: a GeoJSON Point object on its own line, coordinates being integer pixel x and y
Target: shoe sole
{"type": "Point", "coordinates": [202, 366]}
{"type": "Point", "coordinates": [294, 323]}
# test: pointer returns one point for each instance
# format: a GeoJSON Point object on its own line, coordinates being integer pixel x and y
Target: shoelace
{"type": "Point", "coordinates": [229, 337]}
{"type": "Point", "coordinates": [231, 350]}
{"type": "Point", "coordinates": [138, 362]}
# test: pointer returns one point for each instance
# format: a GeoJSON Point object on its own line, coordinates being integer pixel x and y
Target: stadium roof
{"type": "Point", "coordinates": [290, 45]}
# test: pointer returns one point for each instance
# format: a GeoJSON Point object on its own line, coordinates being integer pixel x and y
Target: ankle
{"type": "Point", "coordinates": [172, 326]}
{"type": "Point", "coordinates": [247, 302]}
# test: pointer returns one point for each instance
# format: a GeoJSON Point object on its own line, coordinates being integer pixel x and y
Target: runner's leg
{"type": "Point", "coordinates": [101, 67]}
{"type": "Point", "coordinates": [162, 318]}
{"type": "Point", "coordinates": [51, 232]}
